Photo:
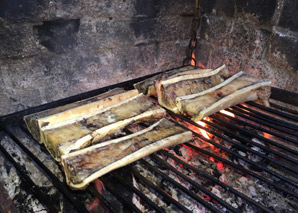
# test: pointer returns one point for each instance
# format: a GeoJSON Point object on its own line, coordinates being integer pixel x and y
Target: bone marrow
{"type": "Point", "coordinates": [83, 166]}
{"type": "Point", "coordinates": [168, 90]}
{"type": "Point", "coordinates": [147, 86]}
{"type": "Point", "coordinates": [35, 121]}
{"type": "Point", "coordinates": [82, 131]}
{"type": "Point", "coordinates": [237, 89]}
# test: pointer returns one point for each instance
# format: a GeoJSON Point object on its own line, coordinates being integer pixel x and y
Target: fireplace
{"type": "Point", "coordinates": [64, 51]}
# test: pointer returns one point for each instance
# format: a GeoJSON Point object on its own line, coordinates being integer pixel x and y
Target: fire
{"type": "Point", "coordinates": [203, 132]}
{"type": "Point", "coordinates": [193, 63]}
{"type": "Point", "coordinates": [96, 203]}
{"type": "Point", "coordinates": [227, 113]}
{"type": "Point", "coordinates": [266, 135]}
{"type": "Point", "coordinates": [220, 166]}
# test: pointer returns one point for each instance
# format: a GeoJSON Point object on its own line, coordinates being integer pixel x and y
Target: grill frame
{"type": "Point", "coordinates": [10, 121]}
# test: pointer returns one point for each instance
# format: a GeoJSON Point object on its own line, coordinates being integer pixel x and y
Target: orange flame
{"type": "Point", "coordinates": [266, 135]}
{"type": "Point", "coordinates": [227, 113]}
{"type": "Point", "coordinates": [203, 132]}
{"type": "Point", "coordinates": [192, 63]}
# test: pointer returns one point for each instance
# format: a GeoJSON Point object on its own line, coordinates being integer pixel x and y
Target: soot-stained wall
{"type": "Point", "coordinates": [54, 49]}
{"type": "Point", "coordinates": [259, 37]}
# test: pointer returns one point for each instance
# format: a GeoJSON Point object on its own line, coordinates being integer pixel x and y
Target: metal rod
{"type": "Point", "coordinates": [285, 115]}
{"type": "Point", "coordinates": [27, 180]}
{"type": "Point", "coordinates": [241, 138]}
{"type": "Point", "coordinates": [240, 112]}
{"type": "Point", "coordinates": [259, 128]}
{"type": "Point", "coordinates": [239, 167]}
{"type": "Point", "coordinates": [138, 192]}
{"type": "Point", "coordinates": [119, 195]}
{"type": "Point", "coordinates": [189, 192]}
{"type": "Point", "coordinates": [283, 108]}
{"type": "Point", "coordinates": [167, 197]}
{"type": "Point", "coordinates": [205, 175]}
{"type": "Point", "coordinates": [56, 182]}
{"type": "Point", "coordinates": [102, 200]}
{"type": "Point", "coordinates": [269, 118]}
{"type": "Point", "coordinates": [241, 157]}
{"type": "Point", "coordinates": [228, 150]}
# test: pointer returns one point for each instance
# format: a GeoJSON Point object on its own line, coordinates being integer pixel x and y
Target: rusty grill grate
{"type": "Point", "coordinates": [276, 166]}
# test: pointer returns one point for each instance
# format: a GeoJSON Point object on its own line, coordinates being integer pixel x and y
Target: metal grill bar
{"type": "Point", "coordinates": [56, 182]}
{"type": "Point", "coordinates": [32, 186]}
{"type": "Point", "coordinates": [203, 174]}
{"type": "Point", "coordinates": [193, 195]}
{"type": "Point", "coordinates": [256, 144]}
{"type": "Point", "coordinates": [283, 108]}
{"type": "Point", "coordinates": [140, 194]}
{"type": "Point", "coordinates": [246, 171]}
{"type": "Point", "coordinates": [167, 197]}
{"type": "Point", "coordinates": [285, 115]}
{"type": "Point", "coordinates": [249, 116]}
{"type": "Point", "coordinates": [263, 116]}
{"type": "Point", "coordinates": [96, 194]}
{"type": "Point", "coordinates": [110, 186]}
{"type": "Point", "coordinates": [260, 128]}
{"type": "Point", "coordinates": [231, 152]}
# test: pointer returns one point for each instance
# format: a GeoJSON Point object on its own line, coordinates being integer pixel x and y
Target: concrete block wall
{"type": "Point", "coordinates": [54, 49]}
{"type": "Point", "coordinates": [257, 36]}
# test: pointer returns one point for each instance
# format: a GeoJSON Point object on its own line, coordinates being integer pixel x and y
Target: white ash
{"type": "Point", "coordinates": [178, 195]}
{"type": "Point", "coordinates": [249, 186]}
{"type": "Point", "coordinates": [12, 181]}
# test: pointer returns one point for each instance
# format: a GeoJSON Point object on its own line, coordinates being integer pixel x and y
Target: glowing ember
{"type": "Point", "coordinates": [212, 159]}
{"type": "Point", "coordinates": [220, 166]}
{"type": "Point", "coordinates": [206, 197]}
{"type": "Point", "coordinates": [266, 135]}
{"type": "Point", "coordinates": [227, 113]}
{"type": "Point", "coordinates": [96, 203]}
{"type": "Point", "coordinates": [203, 132]}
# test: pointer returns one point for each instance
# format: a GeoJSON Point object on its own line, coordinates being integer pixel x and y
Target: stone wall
{"type": "Point", "coordinates": [257, 36]}
{"type": "Point", "coordinates": [54, 49]}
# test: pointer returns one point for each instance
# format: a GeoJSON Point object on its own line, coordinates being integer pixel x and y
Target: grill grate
{"type": "Point", "coordinates": [280, 122]}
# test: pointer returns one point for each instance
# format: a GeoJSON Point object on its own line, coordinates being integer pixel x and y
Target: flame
{"type": "Point", "coordinates": [227, 113]}
{"type": "Point", "coordinates": [203, 132]}
{"type": "Point", "coordinates": [266, 135]}
{"type": "Point", "coordinates": [201, 65]}
{"type": "Point", "coordinates": [192, 63]}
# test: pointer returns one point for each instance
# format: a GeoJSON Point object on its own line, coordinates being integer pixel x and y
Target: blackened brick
{"type": "Point", "coordinates": [289, 15]}
{"type": "Point", "coordinates": [283, 51]}
{"type": "Point", "coordinates": [264, 9]}
{"type": "Point", "coordinates": [19, 10]}
{"type": "Point", "coordinates": [225, 7]}
{"type": "Point", "coordinates": [59, 35]}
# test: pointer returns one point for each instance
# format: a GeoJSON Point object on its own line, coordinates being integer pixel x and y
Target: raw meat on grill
{"type": "Point", "coordinates": [237, 89]}
{"type": "Point", "coordinates": [83, 166]}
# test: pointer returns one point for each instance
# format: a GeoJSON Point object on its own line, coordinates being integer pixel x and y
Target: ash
{"type": "Point", "coordinates": [249, 186]}
{"type": "Point", "coordinates": [17, 188]}
{"type": "Point", "coordinates": [178, 195]}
